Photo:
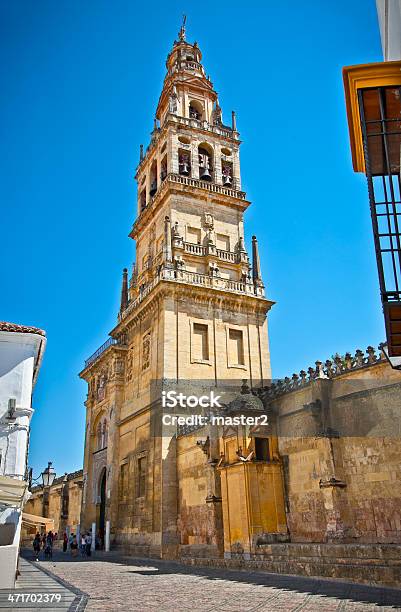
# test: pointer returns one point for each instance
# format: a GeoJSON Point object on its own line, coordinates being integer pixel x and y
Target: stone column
{"type": "Point", "coordinates": [217, 172]}
{"type": "Point", "coordinates": [172, 155]}
{"type": "Point", "coordinates": [194, 160]}
{"type": "Point", "coordinates": [168, 250]}
{"type": "Point", "coordinates": [93, 544]}
{"type": "Point", "coordinates": [107, 537]}
{"type": "Point", "coordinates": [236, 170]}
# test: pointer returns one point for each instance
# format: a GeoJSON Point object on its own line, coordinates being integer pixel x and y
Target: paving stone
{"type": "Point", "coordinates": [114, 582]}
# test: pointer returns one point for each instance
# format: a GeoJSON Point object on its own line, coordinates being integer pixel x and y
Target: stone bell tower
{"type": "Point", "coordinates": [193, 308]}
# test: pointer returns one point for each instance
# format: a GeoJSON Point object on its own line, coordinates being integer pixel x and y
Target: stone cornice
{"type": "Point", "coordinates": [176, 184]}
{"type": "Point", "coordinates": [220, 298]}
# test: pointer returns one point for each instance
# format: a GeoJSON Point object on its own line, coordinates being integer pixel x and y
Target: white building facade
{"type": "Point", "coordinates": [21, 353]}
{"type": "Point", "coordinates": [389, 13]}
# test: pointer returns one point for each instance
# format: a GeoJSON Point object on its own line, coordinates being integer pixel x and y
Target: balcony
{"type": "Point", "coordinates": [221, 130]}
{"type": "Point", "coordinates": [103, 348]}
{"type": "Point", "coordinates": [192, 278]}
{"type": "Point", "coordinates": [213, 187]}
{"type": "Point", "coordinates": [194, 249]}
{"type": "Point", "coordinates": [171, 179]}
{"type": "Point", "coordinates": [198, 249]}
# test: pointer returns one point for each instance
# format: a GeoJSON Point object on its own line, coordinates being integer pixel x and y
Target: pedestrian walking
{"type": "Point", "coordinates": [49, 545]}
{"type": "Point", "coordinates": [74, 546]}
{"type": "Point", "coordinates": [88, 541]}
{"type": "Point", "coordinates": [65, 542]}
{"type": "Point", "coordinates": [36, 545]}
{"type": "Point", "coordinates": [83, 545]}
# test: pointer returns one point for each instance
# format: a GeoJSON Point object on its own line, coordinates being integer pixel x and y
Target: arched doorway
{"type": "Point", "coordinates": [102, 509]}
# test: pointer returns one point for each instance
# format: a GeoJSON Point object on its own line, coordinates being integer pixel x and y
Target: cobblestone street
{"type": "Point", "coordinates": [114, 582]}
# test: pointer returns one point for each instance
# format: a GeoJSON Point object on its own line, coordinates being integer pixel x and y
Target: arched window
{"type": "Point", "coordinates": [195, 110]}
{"type": "Point", "coordinates": [205, 152]}
{"type": "Point", "coordinates": [153, 179]}
{"type": "Point", "coordinates": [184, 162]}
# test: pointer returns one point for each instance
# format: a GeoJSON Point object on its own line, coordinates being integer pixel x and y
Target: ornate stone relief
{"type": "Point", "coordinates": [101, 387]}
{"type": "Point", "coordinates": [130, 364]}
{"type": "Point", "coordinates": [208, 221]}
{"type": "Point", "coordinates": [173, 102]}
{"type": "Point", "coordinates": [146, 351]}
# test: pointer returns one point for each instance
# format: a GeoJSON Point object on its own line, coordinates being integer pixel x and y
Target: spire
{"type": "Point", "coordinates": [256, 273]}
{"type": "Point", "coordinates": [234, 121]}
{"type": "Point", "coordinates": [181, 33]}
{"type": "Point", "coordinates": [124, 291]}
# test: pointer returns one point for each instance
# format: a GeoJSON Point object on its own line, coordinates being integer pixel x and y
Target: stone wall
{"type": "Point", "coordinates": [199, 521]}
{"type": "Point", "coordinates": [340, 443]}
{"type": "Point", "coordinates": [364, 563]}
{"type": "Point", "coordinates": [64, 504]}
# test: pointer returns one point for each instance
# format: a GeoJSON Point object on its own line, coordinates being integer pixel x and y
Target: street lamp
{"type": "Point", "coordinates": [48, 475]}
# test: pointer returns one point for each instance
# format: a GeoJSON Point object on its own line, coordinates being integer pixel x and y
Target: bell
{"type": "Point", "coordinates": [205, 174]}
{"type": "Point", "coordinates": [227, 180]}
{"type": "Point", "coordinates": [184, 168]}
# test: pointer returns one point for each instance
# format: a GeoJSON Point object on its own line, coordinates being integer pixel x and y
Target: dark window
{"type": "Point", "coordinates": [262, 449]}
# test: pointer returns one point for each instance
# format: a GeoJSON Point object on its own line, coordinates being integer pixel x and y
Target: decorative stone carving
{"type": "Point", "coordinates": [330, 369]}
{"type": "Point", "coordinates": [130, 364]}
{"type": "Point", "coordinates": [179, 262]}
{"type": "Point", "coordinates": [217, 115]}
{"type": "Point", "coordinates": [101, 389]}
{"type": "Point", "coordinates": [146, 351]}
{"type": "Point", "coordinates": [208, 221]}
{"type": "Point", "coordinates": [214, 269]}
{"type": "Point", "coordinates": [173, 102]}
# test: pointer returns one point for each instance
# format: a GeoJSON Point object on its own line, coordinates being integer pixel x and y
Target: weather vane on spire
{"type": "Point", "coordinates": [182, 29]}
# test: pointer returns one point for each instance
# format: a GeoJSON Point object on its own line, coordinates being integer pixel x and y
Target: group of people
{"type": "Point", "coordinates": [72, 543]}
{"type": "Point", "coordinates": [44, 542]}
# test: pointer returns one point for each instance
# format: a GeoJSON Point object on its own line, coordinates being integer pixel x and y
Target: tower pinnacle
{"type": "Point", "coordinates": [181, 34]}
{"type": "Point", "coordinates": [124, 291]}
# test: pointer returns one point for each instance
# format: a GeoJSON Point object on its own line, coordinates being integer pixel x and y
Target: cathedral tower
{"type": "Point", "coordinates": [193, 309]}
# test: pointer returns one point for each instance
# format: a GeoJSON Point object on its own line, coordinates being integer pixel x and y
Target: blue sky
{"type": "Point", "coordinates": [80, 83]}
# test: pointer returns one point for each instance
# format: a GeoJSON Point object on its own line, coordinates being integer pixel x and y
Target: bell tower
{"type": "Point", "coordinates": [194, 308]}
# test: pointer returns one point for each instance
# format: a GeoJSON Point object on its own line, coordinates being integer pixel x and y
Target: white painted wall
{"type": "Point", "coordinates": [389, 14]}
{"type": "Point", "coordinates": [19, 353]}
{"type": "Point", "coordinates": [20, 358]}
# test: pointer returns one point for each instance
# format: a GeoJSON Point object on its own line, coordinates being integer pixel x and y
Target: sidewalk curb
{"type": "Point", "coordinates": [81, 598]}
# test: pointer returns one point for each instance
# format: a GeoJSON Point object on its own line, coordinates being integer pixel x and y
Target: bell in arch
{"type": "Point", "coordinates": [184, 165]}
{"type": "Point", "coordinates": [205, 174]}
{"type": "Point", "coordinates": [184, 168]}
{"type": "Point", "coordinates": [204, 165]}
{"type": "Point", "coordinates": [227, 180]}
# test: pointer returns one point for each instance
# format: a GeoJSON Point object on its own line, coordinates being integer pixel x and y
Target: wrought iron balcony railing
{"type": "Point", "coordinates": [103, 348]}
